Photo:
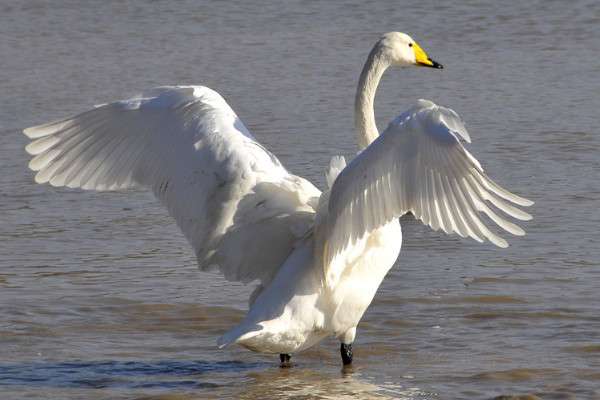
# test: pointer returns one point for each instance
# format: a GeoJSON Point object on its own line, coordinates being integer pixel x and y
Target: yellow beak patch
{"type": "Point", "coordinates": [423, 59]}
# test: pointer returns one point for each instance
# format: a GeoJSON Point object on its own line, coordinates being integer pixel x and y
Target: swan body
{"type": "Point", "coordinates": [319, 258]}
{"type": "Point", "coordinates": [296, 311]}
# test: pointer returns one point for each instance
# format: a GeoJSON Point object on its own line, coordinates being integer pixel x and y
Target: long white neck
{"type": "Point", "coordinates": [364, 113]}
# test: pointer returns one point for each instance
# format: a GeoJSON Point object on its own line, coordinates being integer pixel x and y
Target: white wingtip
{"type": "Point", "coordinates": [503, 244]}
{"type": "Point", "coordinates": [39, 131]}
{"type": "Point", "coordinates": [527, 202]}
{"type": "Point", "coordinates": [500, 191]}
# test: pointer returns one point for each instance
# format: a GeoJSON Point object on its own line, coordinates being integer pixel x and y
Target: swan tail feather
{"type": "Point", "coordinates": [239, 334]}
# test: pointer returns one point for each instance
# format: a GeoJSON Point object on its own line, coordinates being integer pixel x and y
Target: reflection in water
{"type": "Point", "coordinates": [306, 383]}
{"type": "Point", "coordinates": [250, 380]}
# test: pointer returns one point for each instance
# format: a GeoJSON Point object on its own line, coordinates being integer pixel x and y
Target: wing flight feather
{"type": "Point", "coordinates": [419, 165]}
{"type": "Point", "coordinates": [190, 148]}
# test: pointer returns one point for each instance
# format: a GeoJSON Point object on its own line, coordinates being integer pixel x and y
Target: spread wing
{"type": "Point", "coordinates": [234, 201]}
{"type": "Point", "coordinates": [419, 165]}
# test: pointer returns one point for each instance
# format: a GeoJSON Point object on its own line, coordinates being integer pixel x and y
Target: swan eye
{"type": "Point", "coordinates": [410, 45]}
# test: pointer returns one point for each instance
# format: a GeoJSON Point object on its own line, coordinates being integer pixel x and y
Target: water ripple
{"type": "Point", "coordinates": [121, 374]}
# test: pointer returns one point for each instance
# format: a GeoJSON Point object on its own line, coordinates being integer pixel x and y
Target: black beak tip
{"type": "Point", "coordinates": [436, 64]}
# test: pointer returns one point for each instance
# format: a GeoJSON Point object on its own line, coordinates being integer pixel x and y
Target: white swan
{"type": "Point", "coordinates": [319, 257]}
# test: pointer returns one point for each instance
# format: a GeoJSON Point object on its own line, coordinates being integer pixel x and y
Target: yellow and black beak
{"type": "Point", "coordinates": [422, 59]}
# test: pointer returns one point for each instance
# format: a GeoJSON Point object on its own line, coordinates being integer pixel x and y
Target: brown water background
{"type": "Point", "coordinates": [99, 293]}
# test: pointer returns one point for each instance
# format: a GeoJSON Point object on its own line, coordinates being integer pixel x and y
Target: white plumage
{"type": "Point", "coordinates": [225, 190]}
{"type": "Point", "coordinates": [419, 165]}
{"type": "Point", "coordinates": [319, 257]}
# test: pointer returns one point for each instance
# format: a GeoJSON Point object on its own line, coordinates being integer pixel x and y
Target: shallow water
{"type": "Point", "coordinates": [99, 293]}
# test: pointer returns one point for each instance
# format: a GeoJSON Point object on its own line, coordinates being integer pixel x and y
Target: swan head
{"type": "Point", "coordinates": [401, 50]}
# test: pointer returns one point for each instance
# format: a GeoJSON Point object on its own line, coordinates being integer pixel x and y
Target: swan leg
{"type": "Point", "coordinates": [285, 360]}
{"type": "Point", "coordinates": [346, 351]}
{"type": "Point", "coordinates": [346, 346]}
